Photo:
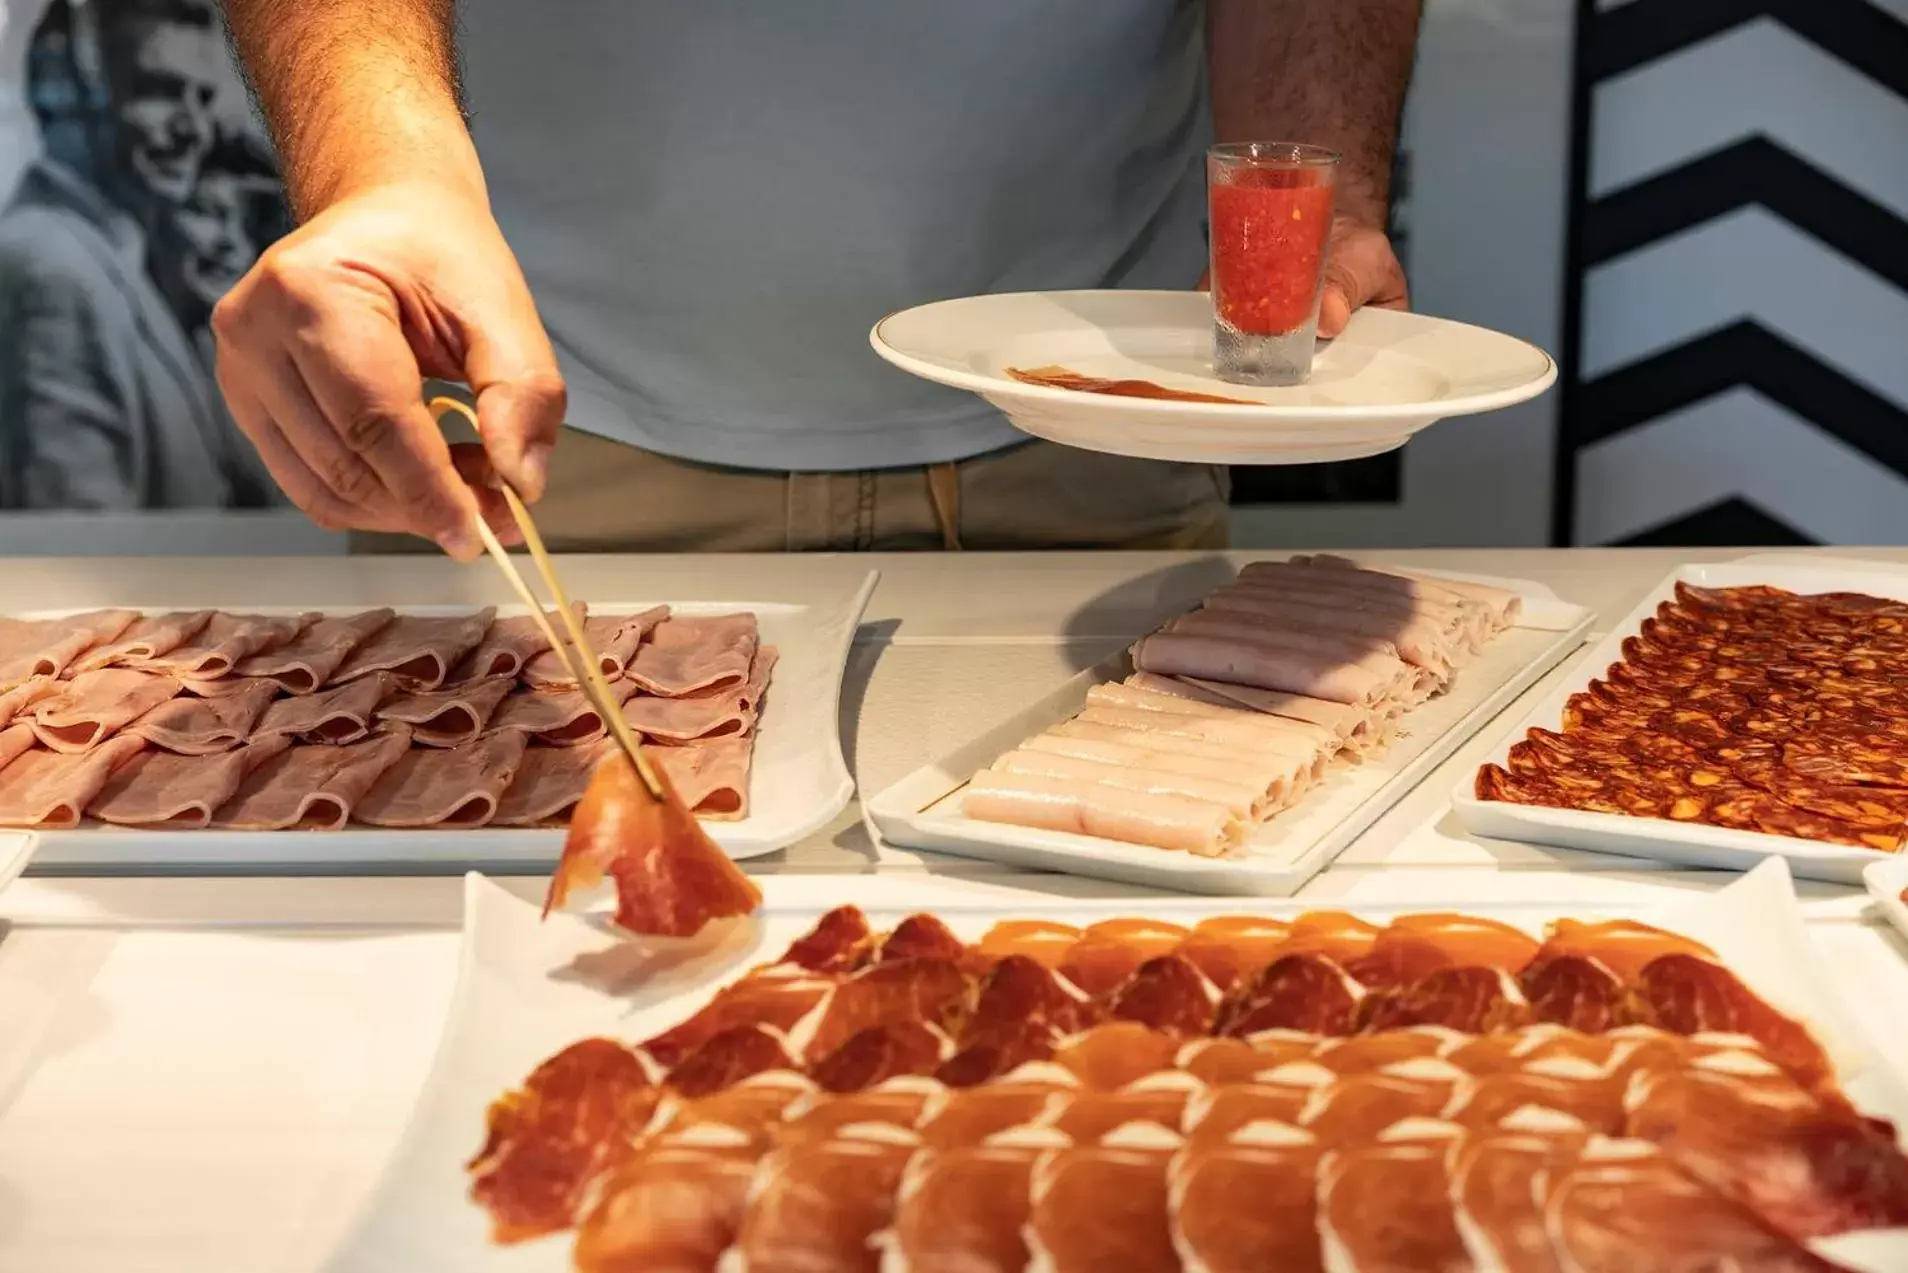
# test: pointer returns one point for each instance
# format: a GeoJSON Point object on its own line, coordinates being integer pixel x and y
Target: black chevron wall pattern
{"type": "Point", "coordinates": [1736, 328]}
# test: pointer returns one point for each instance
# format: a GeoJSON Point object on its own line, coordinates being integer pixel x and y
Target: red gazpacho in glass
{"type": "Point", "coordinates": [1271, 216]}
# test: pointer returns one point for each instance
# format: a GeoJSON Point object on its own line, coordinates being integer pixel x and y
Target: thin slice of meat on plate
{"type": "Point", "coordinates": [614, 637]}
{"type": "Point", "coordinates": [694, 654]}
{"type": "Point", "coordinates": [507, 649]}
{"type": "Point", "coordinates": [1419, 641]}
{"type": "Point", "coordinates": [195, 726]}
{"type": "Point", "coordinates": [48, 789]}
{"type": "Point", "coordinates": [161, 789]}
{"type": "Point", "coordinates": [15, 742]}
{"type": "Point", "coordinates": [311, 786]}
{"type": "Point", "coordinates": [1245, 801]}
{"type": "Point", "coordinates": [561, 718]}
{"type": "Point", "coordinates": [304, 664]}
{"type": "Point", "coordinates": [17, 703]}
{"type": "Point", "coordinates": [147, 638]}
{"type": "Point", "coordinates": [549, 782]}
{"type": "Point", "coordinates": [1087, 808]}
{"type": "Point", "coordinates": [448, 717]}
{"type": "Point", "coordinates": [1503, 604]}
{"type": "Point", "coordinates": [1241, 719]}
{"type": "Point", "coordinates": [342, 714]}
{"type": "Point", "coordinates": [419, 650]}
{"type": "Point", "coordinates": [698, 717]}
{"type": "Point", "coordinates": [444, 787]}
{"type": "Point", "coordinates": [93, 706]}
{"type": "Point", "coordinates": [1276, 779]}
{"type": "Point", "coordinates": [225, 640]}
{"type": "Point", "coordinates": [1241, 662]}
{"type": "Point", "coordinates": [712, 778]}
{"type": "Point", "coordinates": [47, 647]}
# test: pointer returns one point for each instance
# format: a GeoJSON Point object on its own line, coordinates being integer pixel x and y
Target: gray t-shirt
{"type": "Point", "coordinates": [714, 200]}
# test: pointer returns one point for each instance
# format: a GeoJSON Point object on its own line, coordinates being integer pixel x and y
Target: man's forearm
{"type": "Point", "coordinates": [1330, 72]}
{"type": "Point", "coordinates": [357, 92]}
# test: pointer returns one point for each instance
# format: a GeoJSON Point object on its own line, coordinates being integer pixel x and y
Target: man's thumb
{"type": "Point", "coordinates": [520, 400]}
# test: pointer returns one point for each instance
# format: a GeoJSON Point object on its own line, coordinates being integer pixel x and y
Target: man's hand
{"type": "Point", "coordinates": [324, 345]}
{"type": "Point", "coordinates": [1361, 270]}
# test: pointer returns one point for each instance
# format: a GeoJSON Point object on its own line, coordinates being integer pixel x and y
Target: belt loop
{"type": "Point", "coordinates": [944, 492]}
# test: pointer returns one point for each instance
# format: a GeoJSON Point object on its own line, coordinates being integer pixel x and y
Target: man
{"type": "Point", "coordinates": [712, 203]}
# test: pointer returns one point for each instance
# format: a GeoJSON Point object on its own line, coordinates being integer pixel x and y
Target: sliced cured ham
{"type": "Point", "coordinates": [1225, 1115]}
{"type": "Point", "coordinates": [1336, 935]}
{"type": "Point", "coordinates": [1624, 946]}
{"type": "Point", "coordinates": [756, 1106]}
{"type": "Point", "coordinates": [226, 639]}
{"type": "Point", "coordinates": [614, 637]}
{"type": "Point", "coordinates": [1112, 950]}
{"type": "Point", "coordinates": [675, 1209]}
{"type": "Point", "coordinates": [1239, 662]}
{"type": "Point", "coordinates": [549, 783]}
{"type": "Point", "coordinates": [962, 1211]}
{"type": "Point", "coordinates": [1472, 999]}
{"type": "Point", "coordinates": [1296, 992]}
{"type": "Point", "coordinates": [51, 789]}
{"type": "Point", "coordinates": [1496, 1101]}
{"type": "Point", "coordinates": [161, 789]}
{"type": "Point", "coordinates": [1103, 1207]}
{"type": "Point", "coordinates": [1580, 993]}
{"type": "Point", "coordinates": [1358, 1108]}
{"type": "Point", "coordinates": [448, 787]}
{"type": "Point", "coordinates": [817, 1205]}
{"type": "Point", "coordinates": [1228, 947]}
{"type": "Point", "coordinates": [840, 941]}
{"type": "Point", "coordinates": [1246, 802]}
{"type": "Point", "coordinates": [1083, 808]}
{"type": "Point", "coordinates": [712, 778]}
{"type": "Point", "coordinates": [47, 647]}
{"type": "Point", "coordinates": [825, 1115]}
{"type": "Point", "coordinates": [419, 651]}
{"type": "Point", "coordinates": [447, 717]}
{"type": "Point", "coordinates": [778, 1002]}
{"type": "Point", "coordinates": [307, 661]}
{"type": "Point", "coordinates": [1042, 941]}
{"type": "Point", "coordinates": [1498, 1185]}
{"type": "Point", "coordinates": [195, 726]}
{"type": "Point", "coordinates": [1690, 994]}
{"type": "Point", "coordinates": [695, 654]}
{"type": "Point", "coordinates": [894, 1049]}
{"type": "Point", "coordinates": [700, 717]}
{"type": "Point", "coordinates": [1169, 994]}
{"type": "Point", "coordinates": [924, 936]}
{"type": "Point", "coordinates": [975, 1115]}
{"type": "Point", "coordinates": [728, 1058]}
{"type": "Point", "coordinates": [94, 706]}
{"type": "Point", "coordinates": [1108, 1057]}
{"type": "Point", "coordinates": [342, 714]}
{"type": "Point", "coordinates": [1088, 1118]}
{"type": "Point", "coordinates": [146, 638]}
{"type": "Point", "coordinates": [1367, 1052]}
{"type": "Point", "coordinates": [311, 786]}
{"type": "Point", "coordinates": [1387, 1207]}
{"type": "Point", "coordinates": [561, 718]}
{"type": "Point", "coordinates": [1246, 1208]}
{"type": "Point", "coordinates": [936, 991]}
{"type": "Point", "coordinates": [505, 650]}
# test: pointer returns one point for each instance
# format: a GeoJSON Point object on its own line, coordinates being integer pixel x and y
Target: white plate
{"type": "Point", "coordinates": [922, 810]}
{"type": "Point", "coordinates": [1387, 376]}
{"type": "Point", "coordinates": [16, 849]}
{"type": "Point", "coordinates": [799, 780]}
{"type": "Point", "coordinates": [527, 989]}
{"type": "Point", "coordinates": [1690, 844]}
{"type": "Point", "coordinates": [1886, 881]}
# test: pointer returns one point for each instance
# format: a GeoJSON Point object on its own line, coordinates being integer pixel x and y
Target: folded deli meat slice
{"type": "Point", "coordinates": [716, 714]}
{"type": "Point", "coordinates": [452, 787]}
{"type": "Point", "coordinates": [95, 705]}
{"type": "Point", "coordinates": [549, 782]}
{"type": "Point", "coordinates": [311, 786]}
{"type": "Point", "coordinates": [15, 742]}
{"type": "Point", "coordinates": [712, 778]}
{"type": "Point", "coordinates": [147, 638]}
{"type": "Point", "coordinates": [447, 717]}
{"type": "Point", "coordinates": [1091, 808]}
{"type": "Point", "coordinates": [307, 662]}
{"type": "Point", "coordinates": [694, 654]}
{"type": "Point", "coordinates": [47, 647]}
{"type": "Point", "coordinates": [418, 650]}
{"type": "Point", "coordinates": [506, 650]}
{"type": "Point", "coordinates": [614, 637]}
{"type": "Point", "coordinates": [195, 726]}
{"type": "Point", "coordinates": [50, 788]}
{"type": "Point", "coordinates": [342, 714]}
{"type": "Point", "coordinates": [225, 640]}
{"type": "Point", "coordinates": [161, 789]}
{"type": "Point", "coordinates": [1242, 662]}
{"type": "Point", "coordinates": [563, 718]}
{"type": "Point", "coordinates": [17, 703]}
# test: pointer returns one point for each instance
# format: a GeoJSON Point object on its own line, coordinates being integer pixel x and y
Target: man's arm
{"type": "Point", "coordinates": [1332, 73]}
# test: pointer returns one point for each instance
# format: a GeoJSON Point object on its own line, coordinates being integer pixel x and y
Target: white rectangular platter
{"type": "Point", "coordinates": [526, 989]}
{"type": "Point", "coordinates": [922, 810]}
{"type": "Point", "coordinates": [1684, 843]}
{"type": "Point", "coordinates": [799, 780]}
{"type": "Point", "coordinates": [1887, 883]}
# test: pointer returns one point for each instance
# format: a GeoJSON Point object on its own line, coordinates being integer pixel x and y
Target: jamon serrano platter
{"type": "Point", "coordinates": [1243, 745]}
{"type": "Point", "coordinates": [1149, 1085]}
{"type": "Point", "coordinates": [1742, 710]}
{"type": "Point", "coordinates": [422, 737]}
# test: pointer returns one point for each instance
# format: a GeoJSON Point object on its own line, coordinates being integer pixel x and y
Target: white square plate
{"type": "Point", "coordinates": [799, 780]}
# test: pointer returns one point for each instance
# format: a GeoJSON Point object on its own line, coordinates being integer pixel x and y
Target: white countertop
{"type": "Point", "coordinates": [204, 1074]}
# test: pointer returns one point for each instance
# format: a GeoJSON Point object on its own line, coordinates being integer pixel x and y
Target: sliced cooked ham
{"type": "Point", "coordinates": [1257, 735]}
{"type": "Point", "coordinates": [562, 718]}
{"type": "Point", "coordinates": [1503, 604]}
{"type": "Point", "coordinates": [17, 703]}
{"type": "Point", "coordinates": [339, 715]}
{"type": "Point", "coordinates": [549, 782]}
{"type": "Point", "coordinates": [1350, 724]}
{"type": "Point", "coordinates": [160, 789]}
{"type": "Point", "coordinates": [146, 639]}
{"type": "Point", "coordinates": [46, 647]}
{"type": "Point", "coordinates": [448, 717]}
{"type": "Point", "coordinates": [507, 649]}
{"type": "Point", "coordinates": [695, 654]}
{"type": "Point", "coordinates": [712, 778]}
{"type": "Point", "coordinates": [194, 726]}
{"type": "Point", "coordinates": [50, 789]}
{"type": "Point", "coordinates": [1268, 667]}
{"type": "Point", "coordinates": [722, 714]}
{"type": "Point", "coordinates": [1310, 763]}
{"type": "Point", "coordinates": [227, 638]}
{"type": "Point", "coordinates": [1243, 800]}
{"type": "Point", "coordinates": [93, 706]}
{"type": "Point", "coordinates": [1277, 778]}
{"type": "Point", "coordinates": [311, 786]}
{"type": "Point", "coordinates": [1417, 641]}
{"type": "Point", "coordinates": [418, 650]}
{"type": "Point", "coordinates": [304, 664]}
{"type": "Point", "coordinates": [1090, 808]}
{"type": "Point", "coordinates": [614, 637]}
{"type": "Point", "coordinates": [444, 787]}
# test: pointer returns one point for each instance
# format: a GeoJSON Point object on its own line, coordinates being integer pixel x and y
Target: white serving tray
{"type": "Point", "coordinates": [1886, 881]}
{"type": "Point", "coordinates": [526, 989]}
{"type": "Point", "coordinates": [922, 810]}
{"type": "Point", "coordinates": [799, 780]}
{"type": "Point", "coordinates": [1690, 844]}
{"type": "Point", "coordinates": [16, 850]}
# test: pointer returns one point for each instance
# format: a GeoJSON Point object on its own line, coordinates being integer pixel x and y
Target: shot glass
{"type": "Point", "coordinates": [1271, 214]}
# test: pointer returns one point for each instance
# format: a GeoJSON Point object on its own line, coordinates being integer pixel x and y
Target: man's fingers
{"type": "Point", "coordinates": [288, 469]}
{"type": "Point", "coordinates": [475, 468]}
{"type": "Point", "coordinates": [1361, 270]}
{"type": "Point", "coordinates": [521, 398]}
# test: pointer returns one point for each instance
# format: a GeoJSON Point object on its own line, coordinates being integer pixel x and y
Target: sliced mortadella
{"type": "Point", "coordinates": [1084, 808]}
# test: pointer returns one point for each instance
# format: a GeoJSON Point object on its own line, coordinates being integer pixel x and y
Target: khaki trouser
{"type": "Point", "coordinates": [604, 496]}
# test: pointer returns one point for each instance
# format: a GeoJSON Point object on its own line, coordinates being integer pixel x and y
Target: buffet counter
{"type": "Point", "coordinates": [202, 1073]}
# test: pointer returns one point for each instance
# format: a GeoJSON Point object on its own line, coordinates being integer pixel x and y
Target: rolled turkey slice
{"type": "Point", "coordinates": [146, 639]}
{"type": "Point", "coordinates": [49, 789]}
{"type": "Point", "coordinates": [161, 789]}
{"type": "Point", "coordinates": [444, 787]}
{"type": "Point", "coordinates": [343, 714]}
{"type": "Point", "coordinates": [47, 647]}
{"type": "Point", "coordinates": [307, 662]}
{"type": "Point", "coordinates": [1462, 621]}
{"type": "Point", "coordinates": [93, 706]}
{"type": "Point", "coordinates": [1276, 779]}
{"type": "Point", "coordinates": [1505, 605]}
{"type": "Point", "coordinates": [448, 717]}
{"type": "Point", "coordinates": [712, 778]}
{"type": "Point", "coordinates": [549, 782]}
{"type": "Point", "coordinates": [697, 717]}
{"type": "Point", "coordinates": [1309, 764]}
{"type": "Point", "coordinates": [614, 637]}
{"type": "Point", "coordinates": [561, 718]}
{"type": "Point", "coordinates": [226, 639]}
{"type": "Point", "coordinates": [1337, 647]}
{"type": "Point", "coordinates": [195, 726]}
{"type": "Point", "coordinates": [1354, 726]}
{"type": "Point", "coordinates": [311, 786]}
{"type": "Point", "coordinates": [1135, 696]}
{"type": "Point", "coordinates": [1245, 801]}
{"type": "Point", "coordinates": [1090, 808]}
{"type": "Point", "coordinates": [1268, 667]}
{"type": "Point", "coordinates": [509, 645]}
{"type": "Point", "coordinates": [1246, 731]}
{"type": "Point", "coordinates": [1417, 641]}
{"type": "Point", "coordinates": [418, 650]}
{"type": "Point", "coordinates": [17, 703]}
{"type": "Point", "coordinates": [695, 654]}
